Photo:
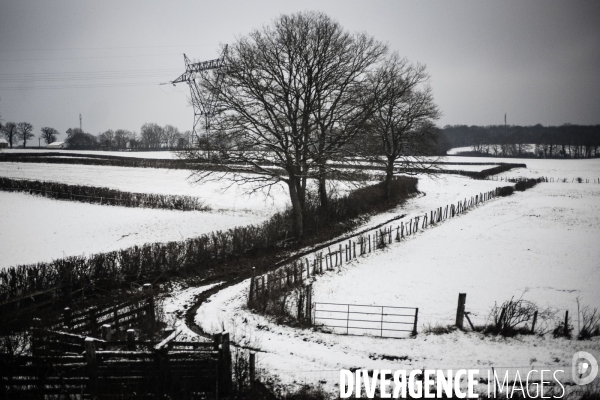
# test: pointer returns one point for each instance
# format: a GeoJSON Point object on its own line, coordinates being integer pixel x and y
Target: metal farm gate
{"type": "Point", "coordinates": [357, 319]}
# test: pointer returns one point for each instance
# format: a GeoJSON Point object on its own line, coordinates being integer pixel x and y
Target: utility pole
{"type": "Point", "coordinates": [81, 129]}
{"type": "Point", "coordinates": [505, 128]}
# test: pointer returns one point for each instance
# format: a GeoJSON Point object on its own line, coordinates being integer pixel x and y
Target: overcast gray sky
{"type": "Point", "coordinates": [537, 61]}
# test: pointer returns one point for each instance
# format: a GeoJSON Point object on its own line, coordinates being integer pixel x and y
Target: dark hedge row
{"type": "Point", "coordinates": [102, 195]}
{"type": "Point", "coordinates": [93, 159]}
{"type": "Point", "coordinates": [208, 254]}
{"type": "Point", "coordinates": [118, 161]}
{"type": "Point", "coordinates": [526, 184]}
{"type": "Point", "coordinates": [471, 174]}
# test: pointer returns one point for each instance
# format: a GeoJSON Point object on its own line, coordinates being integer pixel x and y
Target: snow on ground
{"type": "Point", "coordinates": [542, 242]}
{"type": "Point", "coordinates": [588, 168]}
{"type": "Point", "coordinates": [41, 229]}
{"type": "Point", "coordinates": [175, 304]}
{"type": "Point", "coordinates": [166, 155]}
{"type": "Point", "coordinates": [216, 195]}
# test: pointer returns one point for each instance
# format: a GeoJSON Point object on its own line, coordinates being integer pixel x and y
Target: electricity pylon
{"type": "Point", "coordinates": [204, 104]}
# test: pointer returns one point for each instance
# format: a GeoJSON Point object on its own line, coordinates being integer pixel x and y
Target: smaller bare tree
{"type": "Point", "coordinates": [402, 131]}
{"type": "Point", "coordinates": [10, 132]}
{"type": "Point", "coordinates": [122, 136]}
{"type": "Point", "coordinates": [24, 132]}
{"type": "Point", "coordinates": [49, 134]}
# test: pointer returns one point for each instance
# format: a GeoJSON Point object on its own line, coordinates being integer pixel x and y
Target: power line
{"type": "Point", "coordinates": [106, 85]}
{"type": "Point", "coordinates": [133, 71]}
{"type": "Point", "coordinates": [105, 48]}
{"type": "Point", "coordinates": [89, 57]}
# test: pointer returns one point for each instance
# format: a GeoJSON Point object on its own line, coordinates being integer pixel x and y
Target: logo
{"type": "Point", "coordinates": [584, 368]}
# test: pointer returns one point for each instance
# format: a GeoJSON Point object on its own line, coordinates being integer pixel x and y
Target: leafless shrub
{"type": "Point", "coordinates": [516, 317]}
{"type": "Point", "coordinates": [590, 323]}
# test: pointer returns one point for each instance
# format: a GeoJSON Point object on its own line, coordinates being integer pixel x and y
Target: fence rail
{"type": "Point", "coordinates": [173, 370]}
{"type": "Point", "coordinates": [357, 319]}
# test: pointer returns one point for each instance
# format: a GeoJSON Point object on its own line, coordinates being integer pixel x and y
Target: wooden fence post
{"type": "Point", "coordinates": [414, 332]}
{"type": "Point", "coordinates": [566, 328]}
{"type": "Point", "coordinates": [106, 333]}
{"type": "Point", "coordinates": [130, 339]}
{"type": "Point", "coordinates": [460, 310]}
{"type": "Point", "coordinates": [226, 364]}
{"type": "Point", "coordinates": [252, 368]}
{"type": "Point", "coordinates": [535, 314]}
{"type": "Point", "coordinates": [150, 313]}
{"type": "Point", "coordinates": [91, 366]}
{"type": "Point", "coordinates": [217, 341]}
{"type": "Point", "coordinates": [252, 289]}
{"type": "Point", "coordinates": [93, 321]}
{"type": "Point", "coordinates": [67, 318]}
{"type": "Point", "coordinates": [309, 304]}
{"type": "Point", "coordinates": [147, 289]}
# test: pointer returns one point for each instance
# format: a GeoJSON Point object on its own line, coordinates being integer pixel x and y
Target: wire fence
{"type": "Point", "coordinates": [542, 179]}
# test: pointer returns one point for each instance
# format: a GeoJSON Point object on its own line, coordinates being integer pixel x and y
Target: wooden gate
{"type": "Point", "coordinates": [174, 369]}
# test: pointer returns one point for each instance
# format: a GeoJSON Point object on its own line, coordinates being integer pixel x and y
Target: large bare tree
{"type": "Point", "coordinates": [289, 100]}
{"type": "Point", "coordinates": [402, 133]}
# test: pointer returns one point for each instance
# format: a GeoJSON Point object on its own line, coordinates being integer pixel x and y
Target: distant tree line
{"type": "Point", "coordinates": [151, 136]}
{"type": "Point", "coordinates": [565, 141]}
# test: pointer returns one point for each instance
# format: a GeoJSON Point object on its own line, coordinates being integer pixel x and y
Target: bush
{"type": "Point", "coordinates": [525, 184]}
{"type": "Point", "coordinates": [505, 191]}
{"type": "Point", "coordinates": [513, 317]}
{"type": "Point", "coordinates": [590, 323]}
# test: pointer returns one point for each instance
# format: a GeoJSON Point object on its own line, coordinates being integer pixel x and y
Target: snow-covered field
{"type": "Point", "coordinates": [537, 167]}
{"type": "Point", "coordinates": [542, 244]}
{"type": "Point", "coordinates": [166, 155]}
{"type": "Point", "coordinates": [41, 229]}
{"type": "Point", "coordinates": [216, 195]}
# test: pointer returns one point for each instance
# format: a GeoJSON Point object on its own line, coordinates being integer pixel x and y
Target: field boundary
{"type": "Point", "coordinates": [102, 195]}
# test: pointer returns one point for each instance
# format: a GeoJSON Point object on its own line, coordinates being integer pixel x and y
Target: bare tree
{"type": "Point", "coordinates": [402, 131]}
{"type": "Point", "coordinates": [122, 136]}
{"type": "Point", "coordinates": [10, 132]}
{"type": "Point", "coordinates": [289, 101]}
{"type": "Point", "coordinates": [24, 132]}
{"type": "Point", "coordinates": [49, 134]}
{"type": "Point", "coordinates": [170, 136]}
{"type": "Point", "coordinates": [107, 138]}
{"type": "Point", "coordinates": [151, 135]}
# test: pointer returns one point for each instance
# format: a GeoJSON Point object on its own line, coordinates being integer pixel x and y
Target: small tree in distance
{"type": "Point", "coordinates": [25, 132]}
{"type": "Point", "coordinates": [49, 134]}
{"type": "Point", "coordinates": [10, 132]}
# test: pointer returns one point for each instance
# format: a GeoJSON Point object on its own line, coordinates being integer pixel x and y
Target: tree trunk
{"type": "Point", "coordinates": [324, 201]}
{"type": "Point", "coordinates": [389, 176]}
{"type": "Point", "coordinates": [296, 207]}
